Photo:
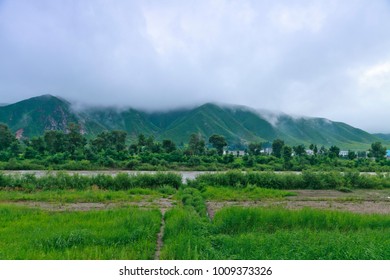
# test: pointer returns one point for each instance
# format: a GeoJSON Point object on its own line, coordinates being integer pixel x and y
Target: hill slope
{"type": "Point", "coordinates": [238, 124]}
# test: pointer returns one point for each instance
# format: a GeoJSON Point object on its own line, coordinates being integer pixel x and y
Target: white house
{"type": "Point", "coordinates": [343, 153]}
{"type": "Point", "coordinates": [266, 151]}
{"type": "Point", "coordinates": [310, 152]}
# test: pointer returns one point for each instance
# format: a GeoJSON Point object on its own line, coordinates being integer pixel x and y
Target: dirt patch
{"type": "Point", "coordinates": [366, 207]}
{"type": "Point", "coordinates": [359, 201]}
{"type": "Point", "coordinates": [364, 195]}
{"type": "Point", "coordinates": [160, 241]}
{"type": "Point", "coordinates": [163, 204]}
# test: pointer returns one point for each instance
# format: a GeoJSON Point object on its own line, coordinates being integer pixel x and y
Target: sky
{"type": "Point", "coordinates": [326, 58]}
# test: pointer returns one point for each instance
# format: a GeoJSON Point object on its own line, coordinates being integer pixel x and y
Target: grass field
{"type": "Point", "coordinates": [76, 217]}
{"type": "Point", "coordinates": [29, 234]}
{"type": "Point", "coordinates": [261, 233]}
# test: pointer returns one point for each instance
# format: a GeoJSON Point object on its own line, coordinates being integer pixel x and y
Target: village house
{"type": "Point", "coordinates": [310, 152]}
{"type": "Point", "coordinates": [343, 153]}
{"type": "Point", "coordinates": [238, 153]}
{"type": "Point", "coordinates": [266, 151]}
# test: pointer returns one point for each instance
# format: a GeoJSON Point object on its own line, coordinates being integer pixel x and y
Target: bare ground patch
{"type": "Point", "coordinates": [360, 201]}
{"type": "Point", "coordinates": [163, 204]}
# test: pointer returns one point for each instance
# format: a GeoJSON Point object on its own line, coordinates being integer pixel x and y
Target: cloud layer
{"type": "Point", "coordinates": [318, 58]}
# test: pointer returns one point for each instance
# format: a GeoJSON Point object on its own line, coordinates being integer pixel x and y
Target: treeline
{"type": "Point", "coordinates": [71, 150]}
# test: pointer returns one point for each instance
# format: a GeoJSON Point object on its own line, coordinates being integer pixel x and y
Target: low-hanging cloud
{"type": "Point", "coordinates": [318, 58]}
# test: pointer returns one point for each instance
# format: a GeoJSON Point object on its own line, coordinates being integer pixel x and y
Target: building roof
{"type": "Point", "coordinates": [388, 153]}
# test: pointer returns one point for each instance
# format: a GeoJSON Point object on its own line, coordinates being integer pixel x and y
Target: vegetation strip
{"type": "Point", "coordinates": [69, 149]}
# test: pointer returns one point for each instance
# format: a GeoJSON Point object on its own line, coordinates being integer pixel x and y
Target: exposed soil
{"type": "Point", "coordinates": [162, 204]}
{"type": "Point", "coordinates": [359, 201]}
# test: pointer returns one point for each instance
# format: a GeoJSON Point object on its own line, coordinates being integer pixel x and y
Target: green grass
{"type": "Point", "coordinates": [235, 220]}
{"type": "Point", "coordinates": [88, 195]}
{"type": "Point", "coordinates": [274, 233]}
{"type": "Point", "coordinates": [234, 233]}
{"type": "Point", "coordinates": [305, 244]}
{"type": "Point", "coordinates": [291, 181]}
{"type": "Point", "coordinates": [186, 236]}
{"type": "Point", "coordinates": [62, 180]}
{"type": "Point", "coordinates": [243, 194]}
{"type": "Point", "coordinates": [126, 233]}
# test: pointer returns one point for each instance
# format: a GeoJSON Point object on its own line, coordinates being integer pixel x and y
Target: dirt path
{"type": "Point", "coordinates": [160, 241]}
{"type": "Point", "coordinates": [160, 236]}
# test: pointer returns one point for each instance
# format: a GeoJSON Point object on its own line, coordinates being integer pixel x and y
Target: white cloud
{"type": "Point", "coordinates": [288, 18]}
{"type": "Point", "coordinates": [291, 56]}
{"type": "Point", "coordinates": [376, 77]}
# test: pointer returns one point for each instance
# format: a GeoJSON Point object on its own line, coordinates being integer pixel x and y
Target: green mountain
{"type": "Point", "coordinates": [33, 116]}
{"type": "Point", "coordinates": [238, 124]}
{"type": "Point", "coordinates": [383, 136]}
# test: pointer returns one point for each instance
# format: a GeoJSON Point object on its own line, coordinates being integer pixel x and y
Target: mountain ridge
{"type": "Point", "coordinates": [238, 124]}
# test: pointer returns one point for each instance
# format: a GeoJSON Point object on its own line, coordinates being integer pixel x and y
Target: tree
{"type": "Point", "coordinates": [114, 140]}
{"type": "Point", "coordinates": [377, 150]}
{"type": "Point", "coordinates": [286, 153]}
{"type": "Point", "coordinates": [334, 151]}
{"type": "Point", "coordinates": [75, 139]}
{"type": "Point", "coordinates": [168, 146]}
{"type": "Point", "coordinates": [38, 144]}
{"type": "Point", "coordinates": [149, 142]}
{"type": "Point", "coordinates": [351, 155]}
{"type": "Point", "coordinates": [323, 151]}
{"type": "Point", "coordinates": [299, 150]}
{"type": "Point", "coordinates": [6, 137]}
{"type": "Point", "coordinates": [218, 142]}
{"type": "Point", "coordinates": [141, 140]}
{"type": "Point", "coordinates": [277, 146]}
{"type": "Point", "coordinates": [313, 148]}
{"type": "Point", "coordinates": [55, 141]}
{"type": "Point", "coordinates": [196, 144]}
{"type": "Point", "coordinates": [118, 140]}
{"type": "Point", "coordinates": [254, 148]}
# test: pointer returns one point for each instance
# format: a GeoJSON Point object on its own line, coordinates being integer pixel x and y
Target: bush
{"type": "Point", "coordinates": [307, 180]}
{"type": "Point", "coordinates": [122, 181]}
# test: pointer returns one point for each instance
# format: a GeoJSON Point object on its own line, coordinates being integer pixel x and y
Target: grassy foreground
{"type": "Point", "coordinates": [234, 233]}
{"type": "Point", "coordinates": [29, 234]}
{"type": "Point", "coordinates": [273, 233]}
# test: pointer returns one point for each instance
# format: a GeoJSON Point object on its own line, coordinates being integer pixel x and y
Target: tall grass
{"type": "Point", "coordinates": [61, 180]}
{"type": "Point", "coordinates": [126, 233]}
{"type": "Point", "coordinates": [192, 198]}
{"type": "Point", "coordinates": [305, 244]}
{"type": "Point", "coordinates": [261, 233]}
{"type": "Point", "coordinates": [235, 220]}
{"type": "Point", "coordinates": [186, 236]}
{"type": "Point", "coordinates": [289, 181]}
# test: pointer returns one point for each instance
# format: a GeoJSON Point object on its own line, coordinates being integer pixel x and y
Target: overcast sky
{"type": "Point", "coordinates": [316, 58]}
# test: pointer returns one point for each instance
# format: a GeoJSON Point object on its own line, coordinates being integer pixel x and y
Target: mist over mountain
{"type": "Point", "coordinates": [238, 124]}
